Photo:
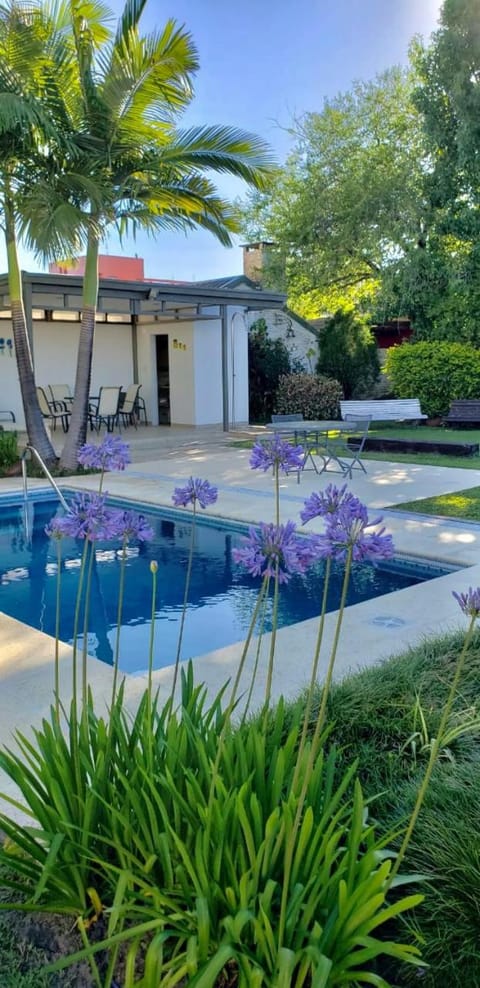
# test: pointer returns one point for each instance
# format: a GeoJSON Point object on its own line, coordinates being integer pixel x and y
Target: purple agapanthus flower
{"type": "Point", "coordinates": [54, 529]}
{"type": "Point", "coordinates": [195, 490]}
{"type": "Point", "coordinates": [348, 532]}
{"type": "Point", "coordinates": [322, 504]}
{"type": "Point", "coordinates": [89, 518]}
{"type": "Point", "coordinates": [270, 546]}
{"type": "Point", "coordinates": [469, 602]}
{"type": "Point", "coordinates": [277, 453]}
{"type": "Point", "coordinates": [133, 527]}
{"type": "Point", "coordinates": [111, 454]}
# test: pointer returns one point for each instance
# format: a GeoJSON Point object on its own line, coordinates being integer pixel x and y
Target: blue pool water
{"type": "Point", "coordinates": [221, 595]}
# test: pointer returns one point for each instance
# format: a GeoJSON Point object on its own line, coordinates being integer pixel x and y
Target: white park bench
{"type": "Point", "coordinates": [389, 410]}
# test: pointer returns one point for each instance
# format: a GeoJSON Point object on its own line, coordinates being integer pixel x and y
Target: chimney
{"type": "Point", "coordinates": [255, 256]}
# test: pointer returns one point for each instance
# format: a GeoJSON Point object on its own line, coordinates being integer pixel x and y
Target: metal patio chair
{"type": "Point", "coordinates": [62, 393]}
{"type": "Point", "coordinates": [53, 410]}
{"type": "Point", "coordinates": [129, 409]}
{"type": "Point", "coordinates": [346, 450]}
{"type": "Point", "coordinates": [107, 409]}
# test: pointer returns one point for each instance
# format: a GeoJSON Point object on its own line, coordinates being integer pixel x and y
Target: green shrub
{"type": "Point", "coordinates": [8, 449]}
{"type": "Point", "coordinates": [348, 353]}
{"type": "Point", "coordinates": [267, 360]}
{"type": "Point", "coordinates": [436, 373]}
{"type": "Point", "coordinates": [315, 397]}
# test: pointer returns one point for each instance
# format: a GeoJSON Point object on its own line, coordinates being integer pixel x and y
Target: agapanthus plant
{"type": "Point", "coordinates": [277, 453]}
{"type": "Point", "coordinates": [194, 492]}
{"type": "Point", "coordinates": [276, 550]}
{"type": "Point", "coordinates": [111, 454]}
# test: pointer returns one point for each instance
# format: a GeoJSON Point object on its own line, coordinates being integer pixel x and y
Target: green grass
{"type": "Point", "coordinates": [461, 504]}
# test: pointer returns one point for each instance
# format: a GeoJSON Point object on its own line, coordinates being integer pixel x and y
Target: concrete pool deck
{"type": "Point", "coordinates": [371, 631]}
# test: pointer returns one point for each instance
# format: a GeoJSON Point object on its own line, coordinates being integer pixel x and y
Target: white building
{"type": "Point", "coordinates": [186, 344]}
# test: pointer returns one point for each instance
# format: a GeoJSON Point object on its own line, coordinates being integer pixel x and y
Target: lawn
{"type": "Point", "coordinates": [461, 504]}
{"type": "Point", "coordinates": [386, 717]}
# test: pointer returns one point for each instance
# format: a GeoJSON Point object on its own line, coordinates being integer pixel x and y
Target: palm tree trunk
{"type": "Point", "coordinates": [77, 433]}
{"type": "Point", "coordinates": [35, 425]}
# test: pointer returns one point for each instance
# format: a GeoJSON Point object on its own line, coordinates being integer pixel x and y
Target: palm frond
{"type": "Point", "coordinates": [221, 149]}
{"type": "Point", "coordinates": [129, 19]}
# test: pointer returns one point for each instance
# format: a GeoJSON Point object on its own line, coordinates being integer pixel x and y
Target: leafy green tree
{"type": "Point", "coordinates": [25, 128]}
{"type": "Point", "coordinates": [348, 201]}
{"type": "Point", "coordinates": [438, 284]}
{"type": "Point", "coordinates": [119, 96]}
{"type": "Point", "coordinates": [348, 353]}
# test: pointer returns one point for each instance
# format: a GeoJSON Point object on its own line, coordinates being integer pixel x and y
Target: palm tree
{"type": "Point", "coordinates": [131, 167]}
{"type": "Point", "coordinates": [24, 124]}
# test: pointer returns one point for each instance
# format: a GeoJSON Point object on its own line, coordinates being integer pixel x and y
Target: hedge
{"type": "Point", "coordinates": [314, 396]}
{"type": "Point", "coordinates": [436, 373]}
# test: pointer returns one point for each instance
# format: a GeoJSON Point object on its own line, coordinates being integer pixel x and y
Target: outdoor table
{"type": "Point", "coordinates": [308, 432]}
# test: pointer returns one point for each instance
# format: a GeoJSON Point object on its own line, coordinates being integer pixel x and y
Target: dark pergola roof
{"type": "Point", "coordinates": [153, 298]}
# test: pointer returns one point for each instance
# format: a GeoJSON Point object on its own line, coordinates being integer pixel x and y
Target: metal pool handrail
{"type": "Point", "coordinates": [31, 449]}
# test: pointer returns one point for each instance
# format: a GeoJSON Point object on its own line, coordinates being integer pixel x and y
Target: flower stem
{"type": "Point", "coordinates": [153, 570]}
{"type": "Point", "coordinates": [313, 677]}
{"type": "Point", "coordinates": [121, 589]}
{"type": "Point", "coordinates": [86, 615]}
{"type": "Point", "coordinates": [273, 641]}
{"type": "Point", "coordinates": [290, 845]}
{"type": "Point", "coordinates": [57, 629]}
{"type": "Point", "coordinates": [276, 478]}
{"type": "Point", "coordinates": [434, 750]}
{"type": "Point", "coordinates": [232, 701]}
{"type": "Point", "coordinates": [257, 654]}
{"type": "Point", "coordinates": [185, 601]}
{"type": "Point", "coordinates": [76, 623]}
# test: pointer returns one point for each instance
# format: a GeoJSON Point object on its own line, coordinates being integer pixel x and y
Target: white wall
{"type": "Point", "coordinates": [181, 368]}
{"type": "Point", "coordinates": [10, 398]}
{"type": "Point", "coordinates": [298, 340]}
{"type": "Point", "coordinates": [208, 372]}
{"type": "Point", "coordinates": [237, 366]}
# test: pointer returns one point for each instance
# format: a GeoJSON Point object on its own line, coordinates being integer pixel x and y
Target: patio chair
{"type": "Point", "coordinates": [141, 407]}
{"type": "Point", "coordinates": [129, 409]}
{"type": "Point", "coordinates": [107, 409]}
{"type": "Point", "coordinates": [53, 410]}
{"type": "Point", "coordinates": [60, 392]}
{"type": "Point", "coordinates": [350, 445]}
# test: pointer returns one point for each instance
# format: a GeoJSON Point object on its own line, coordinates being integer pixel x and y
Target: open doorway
{"type": "Point", "coordinates": [163, 379]}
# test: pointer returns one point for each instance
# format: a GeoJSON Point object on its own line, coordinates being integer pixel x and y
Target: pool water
{"type": "Point", "coordinates": [221, 597]}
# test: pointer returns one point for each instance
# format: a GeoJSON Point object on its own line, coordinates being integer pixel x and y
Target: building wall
{"type": "Point", "coordinates": [208, 376]}
{"type": "Point", "coordinates": [238, 367]}
{"type": "Point", "coordinates": [55, 355]}
{"type": "Point", "coordinates": [181, 369]}
{"type": "Point", "coordinates": [300, 342]}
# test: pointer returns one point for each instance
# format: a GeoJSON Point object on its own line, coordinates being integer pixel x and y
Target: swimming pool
{"type": "Point", "coordinates": [221, 595]}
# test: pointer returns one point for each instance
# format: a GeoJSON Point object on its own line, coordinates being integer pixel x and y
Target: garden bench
{"type": "Point", "coordinates": [389, 410]}
{"type": "Point", "coordinates": [464, 411]}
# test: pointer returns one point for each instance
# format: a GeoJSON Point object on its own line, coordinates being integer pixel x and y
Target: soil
{"type": "Point", "coordinates": [48, 938]}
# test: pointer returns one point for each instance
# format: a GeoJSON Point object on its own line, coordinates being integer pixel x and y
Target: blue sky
{"type": "Point", "coordinates": [261, 63]}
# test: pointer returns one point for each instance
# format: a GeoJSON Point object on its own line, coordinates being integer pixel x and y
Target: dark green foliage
{"type": "Point", "coordinates": [436, 373]}
{"type": "Point", "coordinates": [348, 352]}
{"type": "Point", "coordinates": [267, 360]}
{"type": "Point", "coordinates": [314, 396]}
{"type": "Point", "coordinates": [8, 449]}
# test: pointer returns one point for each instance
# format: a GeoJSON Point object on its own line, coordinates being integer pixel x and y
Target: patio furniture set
{"type": "Point", "coordinates": [112, 407]}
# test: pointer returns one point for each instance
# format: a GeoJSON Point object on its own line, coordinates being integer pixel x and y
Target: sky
{"type": "Point", "coordinates": [263, 62]}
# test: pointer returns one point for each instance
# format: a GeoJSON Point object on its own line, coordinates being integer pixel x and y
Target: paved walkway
{"type": "Point", "coordinates": [372, 630]}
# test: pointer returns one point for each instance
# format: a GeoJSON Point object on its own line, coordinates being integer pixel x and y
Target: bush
{"type": "Point", "coordinates": [348, 352]}
{"type": "Point", "coordinates": [436, 373]}
{"type": "Point", "coordinates": [8, 449]}
{"type": "Point", "coordinates": [314, 396]}
{"type": "Point", "coordinates": [267, 360]}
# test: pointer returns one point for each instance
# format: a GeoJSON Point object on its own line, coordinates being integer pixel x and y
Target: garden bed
{"type": "Point", "coordinates": [384, 445]}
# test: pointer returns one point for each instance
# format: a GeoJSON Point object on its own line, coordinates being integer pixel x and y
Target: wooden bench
{"type": "Point", "coordinates": [463, 412]}
{"type": "Point", "coordinates": [389, 410]}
